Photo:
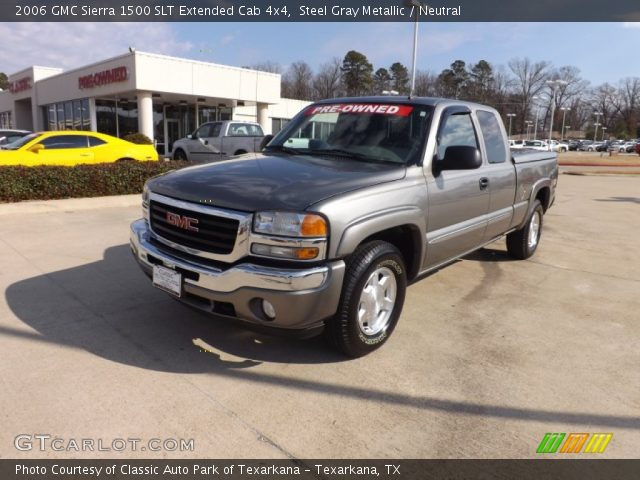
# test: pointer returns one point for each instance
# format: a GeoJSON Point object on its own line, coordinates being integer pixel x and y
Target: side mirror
{"type": "Point", "coordinates": [265, 141]}
{"type": "Point", "coordinates": [190, 137]}
{"type": "Point", "coordinates": [36, 148]}
{"type": "Point", "coordinates": [460, 158]}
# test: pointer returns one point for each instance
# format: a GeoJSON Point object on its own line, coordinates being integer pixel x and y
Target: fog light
{"type": "Point", "coordinates": [268, 309]}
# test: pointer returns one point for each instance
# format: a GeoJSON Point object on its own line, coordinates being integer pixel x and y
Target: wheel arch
{"type": "Point", "coordinates": [403, 229]}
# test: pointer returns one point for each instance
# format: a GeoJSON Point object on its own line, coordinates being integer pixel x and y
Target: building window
{"type": "Point", "coordinates": [5, 120]}
{"type": "Point", "coordinates": [278, 124]}
{"type": "Point", "coordinates": [71, 115]}
{"type": "Point", "coordinates": [106, 117]}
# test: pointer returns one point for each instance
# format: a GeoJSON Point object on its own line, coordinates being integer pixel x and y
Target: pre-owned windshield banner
{"type": "Point", "coordinates": [319, 11]}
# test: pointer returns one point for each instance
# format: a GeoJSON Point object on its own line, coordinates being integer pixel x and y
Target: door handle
{"type": "Point", "coordinates": [484, 183]}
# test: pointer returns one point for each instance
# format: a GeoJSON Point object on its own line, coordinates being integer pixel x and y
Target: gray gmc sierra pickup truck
{"type": "Point", "coordinates": [352, 200]}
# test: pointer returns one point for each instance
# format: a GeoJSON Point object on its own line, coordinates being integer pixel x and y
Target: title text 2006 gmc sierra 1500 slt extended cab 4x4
{"type": "Point", "coordinates": [354, 198]}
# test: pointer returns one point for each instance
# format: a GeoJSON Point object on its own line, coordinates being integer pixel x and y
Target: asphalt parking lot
{"type": "Point", "coordinates": [490, 354]}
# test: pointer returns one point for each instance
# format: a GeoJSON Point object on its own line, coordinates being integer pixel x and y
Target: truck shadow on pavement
{"type": "Point", "coordinates": [109, 308]}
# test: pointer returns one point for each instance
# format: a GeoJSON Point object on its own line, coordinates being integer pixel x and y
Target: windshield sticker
{"type": "Point", "coordinates": [366, 108]}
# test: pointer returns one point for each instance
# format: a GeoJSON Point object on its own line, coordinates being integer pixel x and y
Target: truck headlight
{"type": "Point", "coordinates": [145, 201]}
{"type": "Point", "coordinates": [290, 224]}
{"type": "Point", "coordinates": [145, 196]}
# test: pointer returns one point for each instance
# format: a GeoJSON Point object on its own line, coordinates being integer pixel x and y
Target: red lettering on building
{"type": "Point", "coordinates": [20, 85]}
{"type": "Point", "coordinates": [106, 77]}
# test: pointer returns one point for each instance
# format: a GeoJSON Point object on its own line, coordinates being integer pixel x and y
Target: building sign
{"type": "Point", "coordinates": [106, 77]}
{"type": "Point", "coordinates": [20, 85]}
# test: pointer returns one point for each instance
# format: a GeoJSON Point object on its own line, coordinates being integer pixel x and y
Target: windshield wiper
{"type": "Point", "coordinates": [285, 149]}
{"type": "Point", "coordinates": [350, 154]}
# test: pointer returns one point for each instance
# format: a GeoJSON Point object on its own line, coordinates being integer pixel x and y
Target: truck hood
{"type": "Point", "coordinates": [273, 182]}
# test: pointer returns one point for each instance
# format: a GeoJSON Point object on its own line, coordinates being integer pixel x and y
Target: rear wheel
{"type": "Point", "coordinates": [240, 152]}
{"type": "Point", "coordinates": [371, 301]}
{"type": "Point", "coordinates": [523, 243]}
{"type": "Point", "coordinates": [179, 155]}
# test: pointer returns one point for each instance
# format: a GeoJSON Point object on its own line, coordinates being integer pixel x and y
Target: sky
{"type": "Point", "coordinates": [604, 52]}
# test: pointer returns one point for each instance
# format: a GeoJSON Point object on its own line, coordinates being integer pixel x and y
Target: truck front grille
{"type": "Point", "coordinates": [208, 233]}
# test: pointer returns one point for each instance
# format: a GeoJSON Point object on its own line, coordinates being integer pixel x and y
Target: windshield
{"type": "Point", "coordinates": [19, 143]}
{"type": "Point", "coordinates": [372, 132]}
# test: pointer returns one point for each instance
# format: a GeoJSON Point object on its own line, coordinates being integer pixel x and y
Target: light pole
{"type": "Point", "coordinates": [510, 115]}
{"type": "Point", "coordinates": [417, 5]}
{"type": "Point", "coordinates": [604, 129]}
{"type": "Point", "coordinates": [528, 122]}
{"type": "Point", "coordinates": [535, 127]}
{"type": "Point", "coordinates": [565, 128]}
{"type": "Point", "coordinates": [564, 114]}
{"type": "Point", "coordinates": [554, 84]}
{"type": "Point", "coordinates": [596, 124]}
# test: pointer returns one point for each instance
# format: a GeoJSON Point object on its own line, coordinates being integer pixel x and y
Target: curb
{"type": "Point", "coordinates": [69, 204]}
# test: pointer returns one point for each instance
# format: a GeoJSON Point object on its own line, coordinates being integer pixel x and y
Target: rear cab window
{"type": "Point", "coordinates": [492, 136]}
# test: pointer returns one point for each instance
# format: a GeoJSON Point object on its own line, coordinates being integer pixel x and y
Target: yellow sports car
{"type": "Point", "coordinates": [70, 148]}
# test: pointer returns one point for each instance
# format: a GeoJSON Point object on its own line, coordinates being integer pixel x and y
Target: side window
{"type": "Point", "coordinates": [238, 130]}
{"type": "Point", "coordinates": [215, 129]}
{"type": "Point", "coordinates": [493, 139]}
{"type": "Point", "coordinates": [255, 131]}
{"type": "Point", "coordinates": [457, 131]}
{"type": "Point", "coordinates": [64, 141]}
{"type": "Point", "coordinates": [95, 141]}
{"type": "Point", "coordinates": [204, 131]}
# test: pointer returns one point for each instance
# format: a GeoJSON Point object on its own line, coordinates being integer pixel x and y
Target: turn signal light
{"type": "Point", "coordinates": [313, 226]}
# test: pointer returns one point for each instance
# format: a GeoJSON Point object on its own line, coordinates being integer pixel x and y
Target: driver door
{"type": "Point", "coordinates": [458, 199]}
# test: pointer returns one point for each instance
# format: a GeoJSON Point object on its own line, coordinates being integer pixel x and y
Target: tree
{"type": "Point", "coordinates": [381, 81]}
{"type": "Point", "coordinates": [326, 83]}
{"type": "Point", "coordinates": [356, 73]}
{"type": "Point", "coordinates": [297, 82]}
{"type": "Point", "coordinates": [529, 81]}
{"type": "Point", "coordinates": [270, 67]}
{"type": "Point", "coordinates": [452, 81]}
{"type": "Point", "coordinates": [480, 84]}
{"type": "Point", "coordinates": [425, 84]}
{"type": "Point", "coordinates": [400, 78]}
{"type": "Point", "coordinates": [4, 81]}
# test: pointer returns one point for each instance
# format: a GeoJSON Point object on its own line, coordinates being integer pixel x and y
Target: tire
{"type": "Point", "coordinates": [179, 155]}
{"type": "Point", "coordinates": [563, 150]}
{"type": "Point", "coordinates": [126, 159]}
{"type": "Point", "coordinates": [375, 269]}
{"type": "Point", "coordinates": [240, 152]}
{"type": "Point", "coordinates": [523, 243]}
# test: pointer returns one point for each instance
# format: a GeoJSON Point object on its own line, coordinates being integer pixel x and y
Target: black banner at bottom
{"type": "Point", "coordinates": [319, 469]}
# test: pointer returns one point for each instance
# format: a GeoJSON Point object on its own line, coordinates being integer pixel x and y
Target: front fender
{"type": "Point", "coordinates": [361, 229]}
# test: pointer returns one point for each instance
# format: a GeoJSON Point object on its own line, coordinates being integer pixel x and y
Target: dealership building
{"type": "Point", "coordinates": [163, 97]}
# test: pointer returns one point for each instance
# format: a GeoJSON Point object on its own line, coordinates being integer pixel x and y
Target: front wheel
{"type": "Point", "coordinates": [371, 301]}
{"type": "Point", "coordinates": [179, 155]}
{"type": "Point", "coordinates": [523, 243]}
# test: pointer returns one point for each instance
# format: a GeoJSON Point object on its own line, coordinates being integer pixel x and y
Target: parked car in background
{"type": "Point", "coordinates": [574, 145]}
{"type": "Point", "coordinates": [218, 140]}
{"type": "Point", "coordinates": [557, 146]}
{"type": "Point", "coordinates": [627, 147]}
{"type": "Point", "coordinates": [536, 145]}
{"type": "Point", "coordinates": [638, 148]}
{"type": "Point", "coordinates": [585, 145]}
{"type": "Point", "coordinates": [604, 146]}
{"type": "Point", "coordinates": [516, 143]}
{"type": "Point", "coordinates": [71, 147]}
{"type": "Point", "coordinates": [10, 136]}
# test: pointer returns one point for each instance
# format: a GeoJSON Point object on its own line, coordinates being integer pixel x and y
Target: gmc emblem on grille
{"type": "Point", "coordinates": [182, 221]}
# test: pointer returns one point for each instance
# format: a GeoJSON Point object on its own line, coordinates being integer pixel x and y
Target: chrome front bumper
{"type": "Point", "coordinates": [303, 298]}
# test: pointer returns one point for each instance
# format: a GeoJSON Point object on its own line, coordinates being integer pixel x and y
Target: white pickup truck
{"type": "Point", "coordinates": [218, 140]}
